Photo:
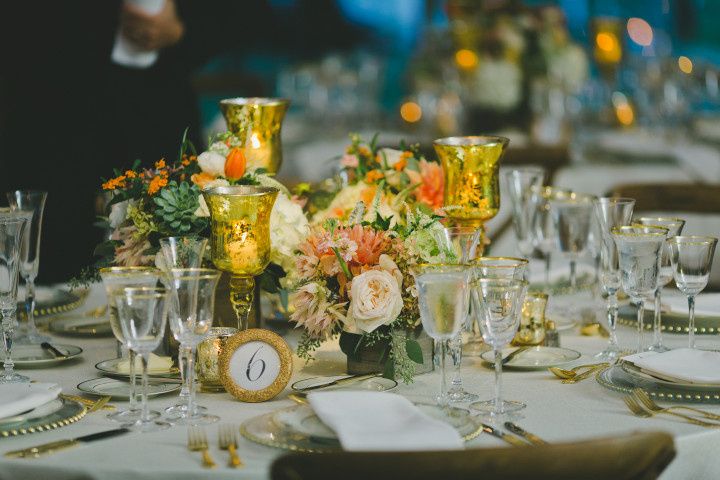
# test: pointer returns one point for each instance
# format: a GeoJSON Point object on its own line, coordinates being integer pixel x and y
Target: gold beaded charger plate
{"type": "Point", "coordinates": [81, 326]}
{"type": "Point", "coordinates": [110, 368]}
{"type": "Point", "coordinates": [375, 384]}
{"type": "Point", "coordinates": [120, 390]}
{"type": "Point", "coordinates": [617, 379]}
{"type": "Point", "coordinates": [34, 356]}
{"type": "Point", "coordinates": [534, 358]}
{"type": "Point", "coordinates": [53, 300]}
{"type": "Point", "coordinates": [672, 322]}
{"type": "Point", "coordinates": [637, 373]}
{"type": "Point", "coordinates": [54, 414]}
{"type": "Point", "coordinates": [297, 428]}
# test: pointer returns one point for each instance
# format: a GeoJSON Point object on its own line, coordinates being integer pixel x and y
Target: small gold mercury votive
{"type": "Point", "coordinates": [208, 370]}
{"type": "Point", "coordinates": [532, 322]}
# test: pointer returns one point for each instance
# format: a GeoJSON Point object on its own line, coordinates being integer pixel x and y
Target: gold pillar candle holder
{"type": "Point", "coordinates": [532, 320]}
{"type": "Point", "coordinates": [472, 187]}
{"type": "Point", "coordinates": [208, 369]}
{"type": "Point", "coordinates": [257, 123]}
{"type": "Point", "coordinates": [240, 239]}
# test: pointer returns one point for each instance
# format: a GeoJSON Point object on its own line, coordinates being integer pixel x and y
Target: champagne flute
{"type": "Point", "coordinates": [611, 213]}
{"type": "Point", "coordinates": [520, 184]}
{"type": "Point", "coordinates": [142, 313]}
{"type": "Point", "coordinates": [572, 218]}
{"type": "Point", "coordinates": [691, 259]}
{"type": "Point", "coordinates": [639, 250]}
{"type": "Point", "coordinates": [674, 226]}
{"type": "Point", "coordinates": [443, 301]}
{"type": "Point", "coordinates": [12, 228]}
{"type": "Point", "coordinates": [192, 300]}
{"type": "Point", "coordinates": [498, 304]}
{"type": "Point", "coordinates": [32, 202]}
{"type": "Point", "coordinates": [115, 279]}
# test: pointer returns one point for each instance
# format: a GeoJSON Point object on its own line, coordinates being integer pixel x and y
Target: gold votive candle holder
{"type": "Point", "coordinates": [532, 321]}
{"type": "Point", "coordinates": [208, 369]}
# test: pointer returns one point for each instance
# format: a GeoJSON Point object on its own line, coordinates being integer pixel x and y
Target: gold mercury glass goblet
{"type": "Point", "coordinates": [240, 239]}
{"type": "Point", "coordinates": [472, 187]}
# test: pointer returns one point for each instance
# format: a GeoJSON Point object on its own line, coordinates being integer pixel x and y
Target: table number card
{"type": "Point", "coordinates": [255, 365]}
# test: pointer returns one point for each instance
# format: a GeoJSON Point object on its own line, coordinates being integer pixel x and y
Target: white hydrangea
{"type": "Point", "coordinates": [288, 228]}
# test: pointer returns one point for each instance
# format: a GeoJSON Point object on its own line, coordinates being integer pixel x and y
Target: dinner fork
{"type": "Point", "coordinates": [198, 442]}
{"type": "Point", "coordinates": [650, 404]}
{"type": "Point", "coordinates": [639, 411]}
{"type": "Point", "coordinates": [227, 439]}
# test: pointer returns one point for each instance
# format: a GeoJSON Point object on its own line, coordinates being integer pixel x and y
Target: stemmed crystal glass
{"type": "Point", "coordinates": [12, 228]}
{"type": "Point", "coordinates": [182, 252]}
{"type": "Point", "coordinates": [498, 304]}
{"type": "Point", "coordinates": [115, 280]}
{"type": "Point", "coordinates": [521, 183]}
{"type": "Point", "coordinates": [611, 213]}
{"type": "Point", "coordinates": [443, 301]}
{"type": "Point", "coordinates": [572, 219]}
{"type": "Point", "coordinates": [639, 250]}
{"type": "Point", "coordinates": [501, 267]}
{"type": "Point", "coordinates": [192, 301]}
{"type": "Point", "coordinates": [543, 228]}
{"type": "Point", "coordinates": [674, 226]}
{"type": "Point", "coordinates": [461, 245]}
{"type": "Point", "coordinates": [691, 258]}
{"type": "Point", "coordinates": [32, 202]}
{"type": "Point", "coordinates": [143, 314]}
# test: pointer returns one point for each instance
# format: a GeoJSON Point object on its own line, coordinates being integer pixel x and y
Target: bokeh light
{"type": "Point", "coordinates": [685, 64]}
{"type": "Point", "coordinates": [640, 31]}
{"type": "Point", "coordinates": [411, 112]}
{"type": "Point", "coordinates": [466, 59]}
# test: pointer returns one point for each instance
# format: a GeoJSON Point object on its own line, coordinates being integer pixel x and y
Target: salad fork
{"type": "Point", "coordinates": [650, 404]}
{"type": "Point", "coordinates": [198, 442]}
{"type": "Point", "coordinates": [639, 411]}
{"type": "Point", "coordinates": [227, 439]}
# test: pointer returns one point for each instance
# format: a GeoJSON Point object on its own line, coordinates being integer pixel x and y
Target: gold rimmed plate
{"type": "Point", "coordinates": [375, 384]}
{"type": "Point", "coordinates": [34, 356]}
{"type": "Point", "coordinates": [81, 326]}
{"type": "Point", "coordinates": [637, 373]}
{"type": "Point", "coordinates": [534, 358]}
{"type": "Point", "coordinates": [54, 414]}
{"type": "Point", "coordinates": [120, 390]}
{"type": "Point", "coordinates": [110, 367]}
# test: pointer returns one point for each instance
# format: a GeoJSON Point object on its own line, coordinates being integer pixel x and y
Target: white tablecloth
{"type": "Point", "coordinates": [557, 412]}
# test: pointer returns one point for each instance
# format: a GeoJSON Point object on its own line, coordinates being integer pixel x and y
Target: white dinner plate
{"type": "Point", "coordinates": [534, 358]}
{"type": "Point", "coordinates": [111, 368]}
{"type": "Point", "coordinates": [34, 356]}
{"type": "Point", "coordinates": [375, 384]}
{"type": "Point", "coordinates": [120, 390]}
{"type": "Point", "coordinates": [637, 373]}
{"type": "Point", "coordinates": [41, 411]}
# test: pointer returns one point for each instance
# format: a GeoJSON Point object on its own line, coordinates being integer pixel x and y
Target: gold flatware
{"type": "Point", "coordinates": [227, 439]}
{"type": "Point", "coordinates": [582, 376]}
{"type": "Point", "coordinates": [594, 328]}
{"type": "Point", "coordinates": [197, 442]}
{"type": "Point", "coordinates": [48, 448]}
{"type": "Point", "coordinates": [341, 381]}
{"type": "Point", "coordinates": [89, 402]}
{"type": "Point", "coordinates": [531, 437]}
{"type": "Point", "coordinates": [513, 354]}
{"type": "Point", "coordinates": [96, 312]}
{"type": "Point", "coordinates": [650, 404]}
{"type": "Point", "coordinates": [99, 403]}
{"type": "Point", "coordinates": [512, 440]}
{"type": "Point", "coordinates": [638, 410]}
{"type": "Point", "coordinates": [563, 373]}
{"type": "Point", "coordinates": [300, 398]}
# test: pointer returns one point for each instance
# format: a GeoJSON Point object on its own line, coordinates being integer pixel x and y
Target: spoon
{"type": "Point", "coordinates": [565, 374]}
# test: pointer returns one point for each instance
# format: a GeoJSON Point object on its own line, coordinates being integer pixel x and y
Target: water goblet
{"type": "Point", "coordinates": [192, 301]}
{"type": "Point", "coordinates": [674, 226]}
{"type": "Point", "coordinates": [521, 183]}
{"type": "Point", "coordinates": [572, 219]}
{"type": "Point", "coordinates": [32, 202]}
{"type": "Point", "coordinates": [143, 314]}
{"type": "Point", "coordinates": [12, 227]}
{"type": "Point", "coordinates": [691, 258]}
{"type": "Point", "coordinates": [611, 213]}
{"type": "Point", "coordinates": [501, 267]}
{"type": "Point", "coordinates": [443, 301]}
{"type": "Point", "coordinates": [543, 228]}
{"type": "Point", "coordinates": [639, 250]}
{"type": "Point", "coordinates": [498, 304]}
{"type": "Point", "coordinates": [115, 279]}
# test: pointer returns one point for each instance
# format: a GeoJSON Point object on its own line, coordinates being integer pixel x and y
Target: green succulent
{"type": "Point", "coordinates": [176, 206]}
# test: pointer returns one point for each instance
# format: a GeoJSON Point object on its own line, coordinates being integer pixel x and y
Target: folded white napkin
{"type": "Point", "coordinates": [16, 398]}
{"type": "Point", "coordinates": [156, 364]}
{"type": "Point", "coordinates": [380, 421]}
{"type": "Point", "coordinates": [686, 365]}
{"type": "Point", "coordinates": [706, 304]}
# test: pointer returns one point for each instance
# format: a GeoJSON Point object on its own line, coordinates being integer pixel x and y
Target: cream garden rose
{"type": "Point", "coordinates": [375, 301]}
{"type": "Point", "coordinates": [212, 163]}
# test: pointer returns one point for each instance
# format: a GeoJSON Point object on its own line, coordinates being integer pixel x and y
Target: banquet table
{"type": "Point", "coordinates": [555, 411]}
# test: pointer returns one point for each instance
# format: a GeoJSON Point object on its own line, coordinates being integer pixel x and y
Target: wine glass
{"type": "Point", "coordinates": [501, 267]}
{"type": "Point", "coordinates": [639, 250]}
{"type": "Point", "coordinates": [192, 300]}
{"type": "Point", "coordinates": [611, 213]}
{"type": "Point", "coordinates": [460, 244]}
{"type": "Point", "coordinates": [498, 304]}
{"type": "Point", "coordinates": [520, 184]}
{"type": "Point", "coordinates": [691, 259]}
{"type": "Point", "coordinates": [572, 218]}
{"type": "Point", "coordinates": [115, 279]}
{"type": "Point", "coordinates": [674, 226]}
{"type": "Point", "coordinates": [443, 301]}
{"type": "Point", "coordinates": [32, 202]}
{"type": "Point", "coordinates": [543, 228]}
{"type": "Point", "coordinates": [182, 252]}
{"type": "Point", "coordinates": [12, 227]}
{"type": "Point", "coordinates": [142, 313]}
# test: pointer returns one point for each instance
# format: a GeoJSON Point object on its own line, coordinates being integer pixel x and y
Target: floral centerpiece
{"type": "Point", "coordinates": [355, 281]}
{"type": "Point", "coordinates": [164, 200]}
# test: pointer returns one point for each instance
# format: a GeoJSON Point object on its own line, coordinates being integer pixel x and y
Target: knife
{"type": "Point", "coordinates": [531, 437]}
{"type": "Point", "coordinates": [48, 448]}
{"type": "Point", "coordinates": [341, 381]}
{"type": "Point", "coordinates": [513, 355]}
{"type": "Point", "coordinates": [503, 436]}
{"type": "Point", "coordinates": [56, 353]}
